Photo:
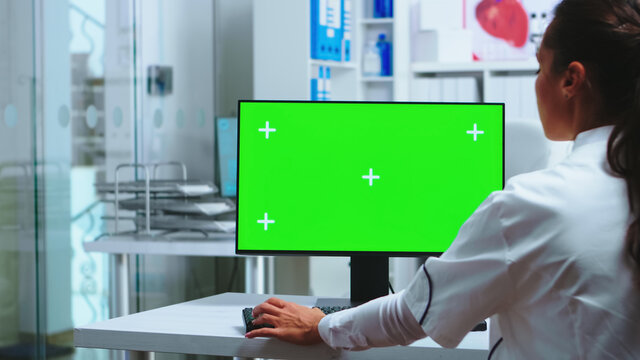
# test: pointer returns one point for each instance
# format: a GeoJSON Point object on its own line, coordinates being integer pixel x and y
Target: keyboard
{"type": "Point", "coordinates": [247, 317]}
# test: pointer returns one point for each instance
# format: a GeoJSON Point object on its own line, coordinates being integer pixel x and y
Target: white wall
{"type": "Point", "coordinates": [234, 54]}
{"type": "Point", "coordinates": [178, 34]}
{"type": "Point", "coordinates": [118, 73]}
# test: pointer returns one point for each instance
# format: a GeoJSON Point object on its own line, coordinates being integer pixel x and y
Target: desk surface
{"type": "Point", "coordinates": [213, 326]}
{"type": "Point", "coordinates": [223, 245]}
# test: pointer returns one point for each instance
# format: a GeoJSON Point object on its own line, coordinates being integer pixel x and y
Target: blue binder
{"type": "Point", "coordinates": [314, 89]}
{"type": "Point", "coordinates": [316, 41]}
{"type": "Point", "coordinates": [382, 8]}
{"type": "Point", "coordinates": [327, 84]}
{"type": "Point", "coordinates": [347, 29]}
{"type": "Point", "coordinates": [327, 29]}
{"type": "Point", "coordinates": [321, 84]}
{"type": "Point", "coordinates": [334, 29]}
{"type": "Point", "coordinates": [316, 85]}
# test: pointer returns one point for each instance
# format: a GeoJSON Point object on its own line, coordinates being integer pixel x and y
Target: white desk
{"type": "Point", "coordinates": [214, 326]}
{"type": "Point", "coordinates": [194, 244]}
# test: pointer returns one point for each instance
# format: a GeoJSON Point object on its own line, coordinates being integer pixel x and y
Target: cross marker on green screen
{"type": "Point", "coordinates": [475, 132]}
{"type": "Point", "coordinates": [267, 130]}
{"type": "Point", "coordinates": [266, 222]}
{"type": "Point", "coordinates": [371, 177]}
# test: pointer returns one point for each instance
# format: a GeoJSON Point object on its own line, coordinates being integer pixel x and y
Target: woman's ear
{"type": "Point", "coordinates": [573, 79]}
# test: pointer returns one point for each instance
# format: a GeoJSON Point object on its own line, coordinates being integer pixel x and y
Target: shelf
{"type": "Point", "coordinates": [388, 79]}
{"type": "Point", "coordinates": [376, 21]}
{"type": "Point", "coordinates": [282, 42]}
{"type": "Point", "coordinates": [333, 64]}
{"type": "Point", "coordinates": [478, 66]}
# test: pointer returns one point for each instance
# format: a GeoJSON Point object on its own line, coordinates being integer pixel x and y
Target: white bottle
{"type": "Point", "coordinates": [371, 63]}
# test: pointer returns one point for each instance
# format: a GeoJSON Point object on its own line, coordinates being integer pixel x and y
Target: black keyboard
{"type": "Point", "coordinates": [247, 317]}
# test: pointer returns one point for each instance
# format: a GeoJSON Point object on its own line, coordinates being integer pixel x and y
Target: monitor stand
{"type": "Point", "coordinates": [369, 280]}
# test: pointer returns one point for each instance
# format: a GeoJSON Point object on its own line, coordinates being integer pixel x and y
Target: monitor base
{"type": "Point", "coordinates": [369, 280]}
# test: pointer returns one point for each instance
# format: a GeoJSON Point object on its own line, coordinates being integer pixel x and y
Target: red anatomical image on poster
{"type": "Point", "coordinates": [507, 29]}
{"type": "Point", "coordinates": [504, 19]}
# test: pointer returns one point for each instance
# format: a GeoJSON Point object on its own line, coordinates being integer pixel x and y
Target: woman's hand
{"type": "Point", "coordinates": [292, 322]}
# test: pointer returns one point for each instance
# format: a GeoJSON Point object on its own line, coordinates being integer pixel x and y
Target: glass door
{"type": "Point", "coordinates": [22, 281]}
{"type": "Point", "coordinates": [87, 85]}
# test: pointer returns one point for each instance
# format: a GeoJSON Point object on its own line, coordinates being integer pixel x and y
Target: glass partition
{"type": "Point", "coordinates": [87, 85]}
{"type": "Point", "coordinates": [22, 281]}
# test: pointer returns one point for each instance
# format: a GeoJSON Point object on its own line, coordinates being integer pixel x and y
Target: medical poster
{"type": "Point", "coordinates": [507, 29]}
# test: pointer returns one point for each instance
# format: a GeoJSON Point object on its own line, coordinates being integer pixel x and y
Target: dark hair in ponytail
{"type": "Point", "coordinates": [604, 35]}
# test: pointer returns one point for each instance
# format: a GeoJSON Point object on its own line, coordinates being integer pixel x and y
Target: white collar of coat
{"type": "Point", "coordinates": [593, 135]}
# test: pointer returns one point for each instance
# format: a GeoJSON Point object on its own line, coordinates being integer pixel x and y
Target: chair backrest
{"type": "Point", "coordinates": [526, 147]}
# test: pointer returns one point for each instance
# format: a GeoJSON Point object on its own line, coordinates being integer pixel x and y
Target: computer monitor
{"type": "Point", "coordinates": [363, 179]}
{"type": "Point", "coordinates": [226, 155]}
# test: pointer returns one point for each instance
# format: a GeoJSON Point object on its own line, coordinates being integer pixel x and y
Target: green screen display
{"type": "Point", "coordinates": [349, 177]}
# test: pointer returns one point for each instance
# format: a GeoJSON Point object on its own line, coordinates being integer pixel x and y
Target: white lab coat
{"type": "Point", "coordinates": [545, 258]}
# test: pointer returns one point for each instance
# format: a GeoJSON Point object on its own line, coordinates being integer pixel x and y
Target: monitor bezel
{"type": "Point", "coordinates": [348, 253]}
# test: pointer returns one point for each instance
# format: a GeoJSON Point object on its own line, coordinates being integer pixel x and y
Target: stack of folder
{"type": "Point", "coordinates": [321, 84]}
{"type": "Point", "coordinates": [331, 26]}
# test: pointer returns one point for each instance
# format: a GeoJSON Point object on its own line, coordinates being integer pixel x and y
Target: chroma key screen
{"type": "Point", "coordinates": [361, 177]}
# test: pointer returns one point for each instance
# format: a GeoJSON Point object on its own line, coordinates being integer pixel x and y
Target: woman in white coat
{"type": "Point", "coordinates": [554, 258]}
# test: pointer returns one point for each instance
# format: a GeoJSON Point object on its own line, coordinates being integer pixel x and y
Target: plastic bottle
{"type": "Point", "coordinates": [384, 48]}
{"type": "Point", "coordinates": [371, 62]}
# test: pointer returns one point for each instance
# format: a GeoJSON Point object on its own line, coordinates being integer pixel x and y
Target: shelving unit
{"type": "Point", "coordinates": [333, 64]}
{"type": "Point", "coordinates": [376, 21]}
{"type": "Point", "coordinates": [511, 82]}
{"type": "Point", "coordinates": [379, 88]}
{"type": "Point", "coordinates": [377, 79]}
{"type": "Point", "coordinates": [396, 86]}
{"type": "Point", "coordinates": [282, 46]}
{"type": "Point", "coordinates": [419, 68]}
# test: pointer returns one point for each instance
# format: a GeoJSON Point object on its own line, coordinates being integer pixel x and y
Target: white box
{"type": "Point", "coordinates": [442, 46]}
{"type": "Point", "coordinates": [441, 14]}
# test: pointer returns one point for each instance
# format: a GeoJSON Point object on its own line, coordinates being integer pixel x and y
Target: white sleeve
{"type": "Point", "coordinates": [468, 283]}
{"type": "Point", "coordinates": [385, 321]}
{"type": "Point", "coordinates": [448, 296]}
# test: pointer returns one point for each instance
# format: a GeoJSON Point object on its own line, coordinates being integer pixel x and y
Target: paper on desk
{"type": "Point", "coordinates": [227, 226]}
{"type": "Point", "coordinates": [213, 208]}
{"type": "Point", "coordinates": [195, 190]}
